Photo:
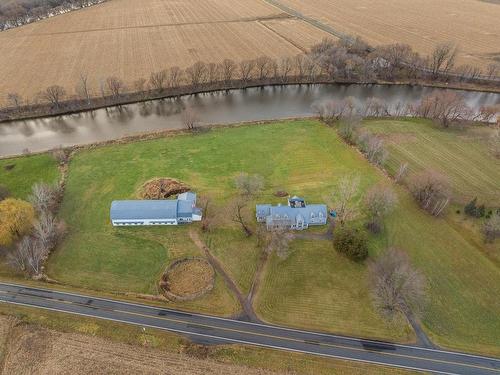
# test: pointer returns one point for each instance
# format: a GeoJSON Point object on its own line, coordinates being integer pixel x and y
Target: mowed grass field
{"type": "Point", "coordinates": [314, 287]}
{"type": "Point", "coordinates": [461, 154]}
{"type": "Point", "coordinates": [471, 24]}
{"type": "Point", "coordinates": [130, 39]}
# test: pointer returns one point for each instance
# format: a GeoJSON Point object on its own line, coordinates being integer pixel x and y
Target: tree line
{"type": "Point", "coordinates": [328, 61]}
{"type": "Point", "coordinates": [22, 12]}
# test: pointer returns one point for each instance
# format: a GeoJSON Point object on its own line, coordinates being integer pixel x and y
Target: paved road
{"type": "Point", "coordinates": [213, 329]}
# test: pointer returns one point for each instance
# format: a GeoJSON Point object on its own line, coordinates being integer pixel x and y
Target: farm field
{"type": "Point", "coordinates": [59, 344]}
{"type": "Point", "coordinates": [96, 256]}
{"type": "Point", "coordinates": [471, 24]}
{"type": "Point", "coordinates": [130, 39]}
{"type": "Point", "coordinates": [461, 154]}
{"type": "Point", "coordinates": [323, 290]}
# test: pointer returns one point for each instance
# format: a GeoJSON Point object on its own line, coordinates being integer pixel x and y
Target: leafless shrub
{"type": "Point", "coordinates": [213, 73]}
{"type": "Point", "coordinates": [401, 172]}
{"type": "Point", "coordinates": [494, 142]}
{"type": "Point", "coordinates": [376, 107]}
{"type": "Point", "coordinates": [379, 201]}
{"type": "Point", "coordinates": [249, 185]}
{"type": "Point", "coordinates": [333, 110]}
{"type": "Point", "coordinates": [140, 85]}
{"type": "Point", "coordinates": [372, 146]}
{"type": "Point", "coordinates": [492, 70]}
{"type": "Point", "coordinates": [444, 107]}
{"type": "Point", "coordinates": [285, 68]}
{"type": "Point", "coordinates": [348, 127]}
{"type": "Point", "coordinates": [431, 190]}
{"type": "Point", "coordinates": [491, 228]}
{"type": "Point", "coordinates": [190, 119]}
{"type": "Point", "coordinates": [60, 155]}
{"type": "Point", "coordinates": [397, 287]}
{"type": "Point", "coordinates": [344, 198]}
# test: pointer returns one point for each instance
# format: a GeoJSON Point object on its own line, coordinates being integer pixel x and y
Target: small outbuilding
{"type": "Point", "coordinates": [182, 210]}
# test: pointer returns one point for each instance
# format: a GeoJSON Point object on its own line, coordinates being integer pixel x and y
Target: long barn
{"type": "Point", "coordinates": [182, 210]}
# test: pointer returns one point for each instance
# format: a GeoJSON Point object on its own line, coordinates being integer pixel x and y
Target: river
{"type": "Point", "coordinates": [254, 104]}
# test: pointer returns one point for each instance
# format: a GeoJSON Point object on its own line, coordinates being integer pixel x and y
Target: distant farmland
{"type": "Point", "coordinates": [130, 39]}
{"type": "Point", "coordinates": [472, 24]}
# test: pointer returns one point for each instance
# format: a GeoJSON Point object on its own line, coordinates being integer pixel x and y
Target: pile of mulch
{"type": "Point", "coordinates": [162, 188]}
{"type": "Point", "coordinates": [281, 194]}
{"type": "Point", "coordinates": [187, 279]}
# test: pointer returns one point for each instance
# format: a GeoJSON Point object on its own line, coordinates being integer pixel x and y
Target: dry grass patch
{"type": "Point", "coordinates": [188, 278]}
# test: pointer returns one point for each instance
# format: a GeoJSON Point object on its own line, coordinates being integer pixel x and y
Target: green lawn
{"type": "Point", "coordinates": [314, 287]}
{"type": "Point", "coordinates": [26, 171]}
{"type": "Point", "coordinates": [460, 154]}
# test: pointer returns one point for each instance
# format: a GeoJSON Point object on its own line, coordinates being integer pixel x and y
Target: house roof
{"type": "Point", "coordinates": [305, 212]}
{"type": "Point", "coordinates": [147, 209]}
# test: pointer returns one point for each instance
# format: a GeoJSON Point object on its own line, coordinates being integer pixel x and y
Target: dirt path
{"type": "Point", "coordinates": [248, 313]}
{"type": "Point", "coordinates": [257, 279]}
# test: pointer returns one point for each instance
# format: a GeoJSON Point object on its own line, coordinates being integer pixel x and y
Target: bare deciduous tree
{"type": "Point", "coordinates": [249, 184]}
{"type": "Point", "coordinates": [197, 73]}
{"type": "Point", "coordinates": [28, 256]}
{"type": "Point", "coordinates": [115, 86]}
{"type": "Point", "coordinates": [140, 85]}
{"type": "Point", "coordinates": [54, 94]}
{"type": "Point", "coordinates": [158, 80]}
{"type": "Point", "coordinates": [397, 287]}
{"type": "Point", "coordinates": [246, 69]}
{"type": "Point", "coordinates": [14, 100]}
{"type": "Point", "coordinates": [238, 216]}
{"type": "Point", "coordinates": [175, 77]}
{"type": "Point", "coordinates": [263, 65]}
{"type": "Point", "coordinates": [285, 68]}
{"type": "Point", "coordinates": [45, 197]}
{"type": "Point", "coordinates": [82, 88]}
{"type": "Point", "coordinates": [213, 73]}
{"type": "Point", "coordinates": [228, 68]}
{"type": "Point", "coordinates": [379, 201]}
{"type": "Point", "coordinates": [442, 59]}
{"type": "Point", "coordinates": [376, 107]}
{"type": "Point", "coordinates": [344, 198]}
{"type": "Point", "coordinates": [431, 190]}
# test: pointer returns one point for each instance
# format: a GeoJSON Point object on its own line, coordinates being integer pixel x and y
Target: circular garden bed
{"type": "Point", "coordinates": [187, 279]}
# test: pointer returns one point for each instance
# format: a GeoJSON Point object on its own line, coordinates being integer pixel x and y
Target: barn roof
{"type": "Point", "coordinates": [144, 209]}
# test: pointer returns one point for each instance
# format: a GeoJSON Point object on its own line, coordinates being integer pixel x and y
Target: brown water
{"type": "Point", "coordinates": [253, 104]}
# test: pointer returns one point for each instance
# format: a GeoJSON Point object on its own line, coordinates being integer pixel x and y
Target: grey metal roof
{"type": "Point", "coordinates": [144, 209]}
{"type": "Point", "coordinates": [306, 211]}
{"type": "Point", "coordinates": [187, 196]}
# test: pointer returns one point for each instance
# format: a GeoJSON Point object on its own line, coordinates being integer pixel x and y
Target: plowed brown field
{"type": "Point", "coordinates": [472, 24]}
{"type": "Point", "coordinates": [130, 39]}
